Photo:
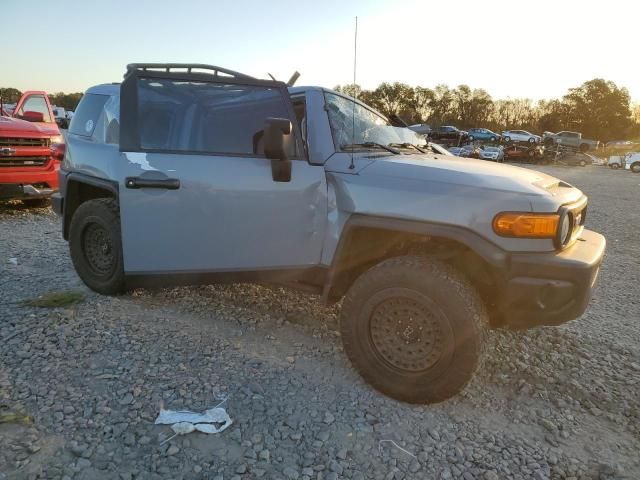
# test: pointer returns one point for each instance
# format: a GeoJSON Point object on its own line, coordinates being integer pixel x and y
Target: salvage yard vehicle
{"type": "Point", "coordinates": [570, 139]}
{"type": "Point", "coordinates": [523, 152]}
{"type": "Point", "coordinates": [30, 151]}
{"type": "Point", "coordinates": [483, 134]}
{"type": "Point", "coordinates": [492, 153]}
{"type": "Point", "coordinates": [520, 136]}
{"type": "Point", "coordinates": [190, 174]}
{"type": "Point", "coordinates": [629, 161]}
{"type": "Point", "coordinates": [447, 132]}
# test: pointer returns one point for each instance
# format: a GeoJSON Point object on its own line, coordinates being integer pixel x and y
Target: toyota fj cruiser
{"type": "Point", "coordinates": [187, 174]}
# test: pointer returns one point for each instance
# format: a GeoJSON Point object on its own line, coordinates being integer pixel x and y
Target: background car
{"type": "Point", "coordinates": [483, 134]}
{"type": "Point", "coordinates": [447, 132]}
{"type": "Point", "coordinates": [520, 136]}
{"type": "Point", "coordinates": [513, 152]}
{"type": "Point", "coordinates": [467, 151]}
{"type": "Point", "coordinates": [492, 153]}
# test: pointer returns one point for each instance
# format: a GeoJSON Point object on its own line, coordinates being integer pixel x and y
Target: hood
{"type": "Point", "coordinates": [14, 127]}
{"type": "Point", "coordinates": [467, 172]}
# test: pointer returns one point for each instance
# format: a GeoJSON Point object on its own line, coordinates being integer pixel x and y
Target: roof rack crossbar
{"type": "Point", "coordinates": [185, 66]}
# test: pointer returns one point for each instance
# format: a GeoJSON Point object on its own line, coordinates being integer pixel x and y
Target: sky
{"type": "Point", "coordinates": [513, 49]}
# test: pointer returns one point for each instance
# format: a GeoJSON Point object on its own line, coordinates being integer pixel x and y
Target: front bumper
{"type": "Point", "coordinates": [11, 191]}
{"type": "Point", "coordinates": [550, 288]}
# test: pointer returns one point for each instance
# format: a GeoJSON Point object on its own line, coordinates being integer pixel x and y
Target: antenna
{"type": "Point", "coordinates": [355, 94]}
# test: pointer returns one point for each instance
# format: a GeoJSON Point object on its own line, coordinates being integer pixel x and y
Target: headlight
{"type": "Point", "coordinates": [57, 139]}
{"type": "Point", "coordinates": [526, 225]}
{"type": "Point", "coordinates": [564, 232]}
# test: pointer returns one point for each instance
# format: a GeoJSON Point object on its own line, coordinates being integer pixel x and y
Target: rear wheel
{"type": "Point", "coordinates": [583, 163]}
{"type": "Point", "coordinates": [414, 329]}
{"type": "Point", "coordinates": [95, 245]}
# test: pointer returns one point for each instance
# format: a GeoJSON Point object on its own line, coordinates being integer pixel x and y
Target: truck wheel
{"type": "Point", "coordinates": [615, 166]}
{"type": "Point", "coordinates": [95, 245]}
{"type": "Point", "coordinates": [36, 202]}
{"type": "Point", "coordinates": [413, 327]}
{"type": "Point", "coordinates": [635, 167]}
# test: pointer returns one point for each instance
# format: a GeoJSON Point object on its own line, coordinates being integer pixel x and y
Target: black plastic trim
{"type": "Point", "coordinates": [307, 276]}
{"type": "Point", "coordinates": [165, 183]}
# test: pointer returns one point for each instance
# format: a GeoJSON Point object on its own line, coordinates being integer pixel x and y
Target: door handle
{"type": "Point", "coordinates": [166, 183]}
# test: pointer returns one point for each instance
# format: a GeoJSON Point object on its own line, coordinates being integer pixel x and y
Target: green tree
{"type": "Point", "coordinates": [10, 95]}
{"type": "Point", "coordinates": [600, 109]}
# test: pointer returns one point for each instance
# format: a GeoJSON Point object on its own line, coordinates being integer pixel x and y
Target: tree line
{"type": "Point", "coordinates": [68, 101]}
{"type": "Point", "coordinates": [598, 108]}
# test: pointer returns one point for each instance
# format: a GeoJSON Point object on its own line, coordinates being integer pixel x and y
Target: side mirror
{"type": "Point", "coordinates": [30, 116]}
{"type": "Point", "coordinates": [274, 133]}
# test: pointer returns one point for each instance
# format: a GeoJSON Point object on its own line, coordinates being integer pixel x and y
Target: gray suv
{"type": "Point", "coordinates": [191, 174]}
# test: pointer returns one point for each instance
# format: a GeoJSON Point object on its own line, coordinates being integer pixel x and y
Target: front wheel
{"type": "Point", "coordinates": [615, 166]}
{"type": "Point", "coordinates": [96, 246]}
{"type": "Point", "coordinates": [635, 167]}
{"type": "Point", "coordinates": [413, 327]}
{"type": "Point", "coordinates": [532, 140]}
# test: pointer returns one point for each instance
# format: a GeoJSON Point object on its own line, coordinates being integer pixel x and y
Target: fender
{"type": "Point", "coordinates": [70, 198]}
{"type": "Point", "coordinates": [495, 257]}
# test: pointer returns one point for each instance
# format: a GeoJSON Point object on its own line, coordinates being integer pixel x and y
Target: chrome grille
{"type": "Point", "coordinates": [23, 142]}
{"type": "Point", "coordinates": [23, 161]}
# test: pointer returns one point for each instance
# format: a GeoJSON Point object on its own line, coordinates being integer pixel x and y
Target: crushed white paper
{"type": "Point", "coordinates": [214, 420]}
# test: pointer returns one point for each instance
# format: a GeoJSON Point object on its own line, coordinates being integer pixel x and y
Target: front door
{"type": "Point", "coordinates": [196, 191]}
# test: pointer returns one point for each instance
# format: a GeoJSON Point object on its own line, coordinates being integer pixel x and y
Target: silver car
{"type": "Point", "coordinates": [520, 136]}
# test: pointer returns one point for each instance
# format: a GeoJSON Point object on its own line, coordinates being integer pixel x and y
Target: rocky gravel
{"type": "Point", "coordinates": [549, 403]}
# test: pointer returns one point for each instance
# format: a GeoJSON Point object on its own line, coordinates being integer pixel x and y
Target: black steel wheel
{"type": "Point", "coordinates": [95, 245]}
{"type": "Point", "coordinates": [414, 329]}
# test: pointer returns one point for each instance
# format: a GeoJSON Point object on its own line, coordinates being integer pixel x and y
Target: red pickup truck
{"type": "Point", "coordinates": [31, 149]}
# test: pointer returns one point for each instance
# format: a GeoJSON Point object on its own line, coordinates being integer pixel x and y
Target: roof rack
{"type": "Point", "coordinates": [167, 67]}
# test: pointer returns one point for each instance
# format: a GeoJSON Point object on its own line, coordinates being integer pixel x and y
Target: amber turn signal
{"type": "Point", "coordinates": [526, 225]}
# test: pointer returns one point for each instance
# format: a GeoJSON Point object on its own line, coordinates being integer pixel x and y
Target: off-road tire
{"type": "Point", "coordinates": [36, 202]}
{"type": "Point", "coordinates": [635, 167]}
{"type": "Point", "coordinates": [96, 247]}
{"type": "Point", "coordinates": [456, 332]}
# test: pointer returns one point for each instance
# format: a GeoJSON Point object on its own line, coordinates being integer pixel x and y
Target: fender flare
{"type": "Point", "coordinates": [69, 196]}
{"type": "Point", "coordinates": [496, 258]}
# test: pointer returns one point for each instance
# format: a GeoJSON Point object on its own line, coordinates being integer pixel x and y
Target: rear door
{"type": "Point", "coordinates": [196, 190]}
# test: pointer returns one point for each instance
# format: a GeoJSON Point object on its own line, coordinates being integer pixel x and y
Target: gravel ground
{"type": "Point", "coordinates": [549, 403]}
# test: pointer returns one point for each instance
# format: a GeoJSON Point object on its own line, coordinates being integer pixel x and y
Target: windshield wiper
{"type": "Point", "coordinates": [407, 145]}
{"type": "Point", "coordinates": [369, 145]}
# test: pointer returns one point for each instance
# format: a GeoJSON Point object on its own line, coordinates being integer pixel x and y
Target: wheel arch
{"type": "Point", "coordinates": [367, 240]}
{"type": "Point", "coordinates": [80, 188]}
